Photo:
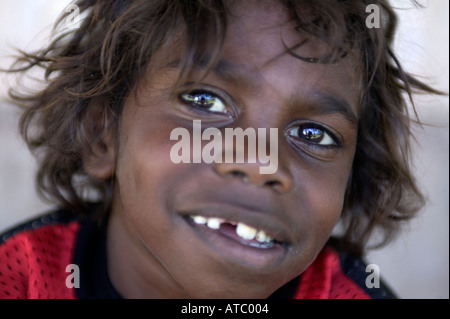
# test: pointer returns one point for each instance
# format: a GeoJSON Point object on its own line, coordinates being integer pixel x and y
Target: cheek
{"type": "Point", "coordinates": [144, 174]}
{"type": "Point", "coordinates": [321, 197]}
{"type": "Point", "coordinates": [327, 205]}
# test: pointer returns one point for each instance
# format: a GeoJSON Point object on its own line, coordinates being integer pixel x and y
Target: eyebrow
{"type": "Point", "coordinates": [325, 103]}
{"type": "Point", "coordinates": [226, 70]}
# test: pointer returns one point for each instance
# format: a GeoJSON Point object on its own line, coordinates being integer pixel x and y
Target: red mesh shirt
{"type": "Point", "coordinates": [34, 257]}
{"type": "Point", "coordinates": [33, 262]}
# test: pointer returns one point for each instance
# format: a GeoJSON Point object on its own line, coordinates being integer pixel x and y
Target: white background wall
{"type": "Point", "coordinates": [416, 265]}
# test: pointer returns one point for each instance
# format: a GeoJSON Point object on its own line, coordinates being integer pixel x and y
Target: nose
{"type": "Point", "coordinates": [280, 181]}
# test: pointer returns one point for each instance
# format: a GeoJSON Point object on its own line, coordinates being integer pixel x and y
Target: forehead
{"type": "Point", "coordinates": [262, 45]}
{"type": "Point", "coordinates": [263, 37]}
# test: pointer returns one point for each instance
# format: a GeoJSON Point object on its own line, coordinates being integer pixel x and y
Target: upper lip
{"type": "Point", "coordinates": [255, 211]}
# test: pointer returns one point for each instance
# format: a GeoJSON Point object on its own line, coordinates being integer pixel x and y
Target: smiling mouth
{"type": "Point", "coordinates": [253, 239]}
{"type": "Point", "coordinates": [238, 231]}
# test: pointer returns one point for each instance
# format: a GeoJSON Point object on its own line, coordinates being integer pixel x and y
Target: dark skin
{"type": "Point", "coordinates": [154, 250]}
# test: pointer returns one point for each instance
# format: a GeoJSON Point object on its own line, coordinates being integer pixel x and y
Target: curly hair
{"type": "Point", "coordinates": [98, 63]}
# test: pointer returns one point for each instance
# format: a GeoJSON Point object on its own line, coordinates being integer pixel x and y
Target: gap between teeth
{"type": "Point", "coordinates": [242, 230]}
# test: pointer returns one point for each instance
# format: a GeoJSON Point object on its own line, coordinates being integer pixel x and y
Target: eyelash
{"type": "Point", "coordinates": [198, 98]}
{"type": "Point", "coordinates": [310, 129]}
{"type": "Point", "coordinates": [329, 138]}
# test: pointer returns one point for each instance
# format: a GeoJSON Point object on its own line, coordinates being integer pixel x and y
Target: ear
{"type": "Point", "coordinates": [100, 161]}
{"type": "Point", "coordinates": [99, 156]}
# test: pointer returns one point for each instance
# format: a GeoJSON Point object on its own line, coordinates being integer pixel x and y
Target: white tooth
{"type": "Point", "coordinates": [246, 232]}
{"type": "Point", "coordinates": [214, 223]}
{"type": "Point", "coordinates": [199, 220]}
{"type": "Point", "coordinates": [262, 237]}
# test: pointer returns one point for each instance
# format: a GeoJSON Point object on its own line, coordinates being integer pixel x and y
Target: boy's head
{"type": "Point", "coordinates": [136, 70]}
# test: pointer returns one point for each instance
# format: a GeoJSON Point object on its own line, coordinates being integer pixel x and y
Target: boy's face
{"type": "Point", "coordinates": [155, 249]}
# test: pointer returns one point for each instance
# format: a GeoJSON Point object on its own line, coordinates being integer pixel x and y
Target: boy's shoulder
{"type": "Point", "coordinates": [366, 276]}
{"type": "Point", "coordinates": [336, 274]}
{"type": "Point", "coordinates": [56, 217]}
{"type": "Point", "coordinates": [35, 254]}
{"type": "Point", "coordinates": [39, 257]}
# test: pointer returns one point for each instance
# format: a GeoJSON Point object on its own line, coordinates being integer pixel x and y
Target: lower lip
{"type": "Point", "coordinates": [244, 255]}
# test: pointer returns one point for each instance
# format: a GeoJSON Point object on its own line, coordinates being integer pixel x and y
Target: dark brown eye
{"type": "Point", "coordinates": [312, 134]}
{"type": "Point", "coordinates": [204, 100]}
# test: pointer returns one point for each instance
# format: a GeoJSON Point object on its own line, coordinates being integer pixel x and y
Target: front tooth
{"type": "Point", "coordinates": [246, 232]}
{"type": "Point", "coordinates": [262, 237]}
{"type": "Point", "coordinates": [214, 223]}
{"type": "Point", "coordinates": [199, 220]}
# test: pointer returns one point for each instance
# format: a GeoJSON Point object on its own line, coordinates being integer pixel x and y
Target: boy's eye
{"type": "Point", "coordinates": [312, 134]}
{"type": "Point", "coordinates": [205, 101]}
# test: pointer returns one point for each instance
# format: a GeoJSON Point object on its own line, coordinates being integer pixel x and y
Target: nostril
{"type": "Point", "coordinates": [237, 173]}
{"type": "Point", "coordinates": [279, 182]}
{"type": "Point", "coordinates": [240, 175]}
{"type": "Point", "coordinates": [275, 185]}
{"type": "Point", "coordinates": [272, 183]}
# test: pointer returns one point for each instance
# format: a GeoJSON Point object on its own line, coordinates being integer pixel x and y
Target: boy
{"type": "Point", "coordinates": [145, 217]}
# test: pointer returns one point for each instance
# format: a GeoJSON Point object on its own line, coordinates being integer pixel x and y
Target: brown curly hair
{"type": "Point", "coordinates": [99, 62]}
